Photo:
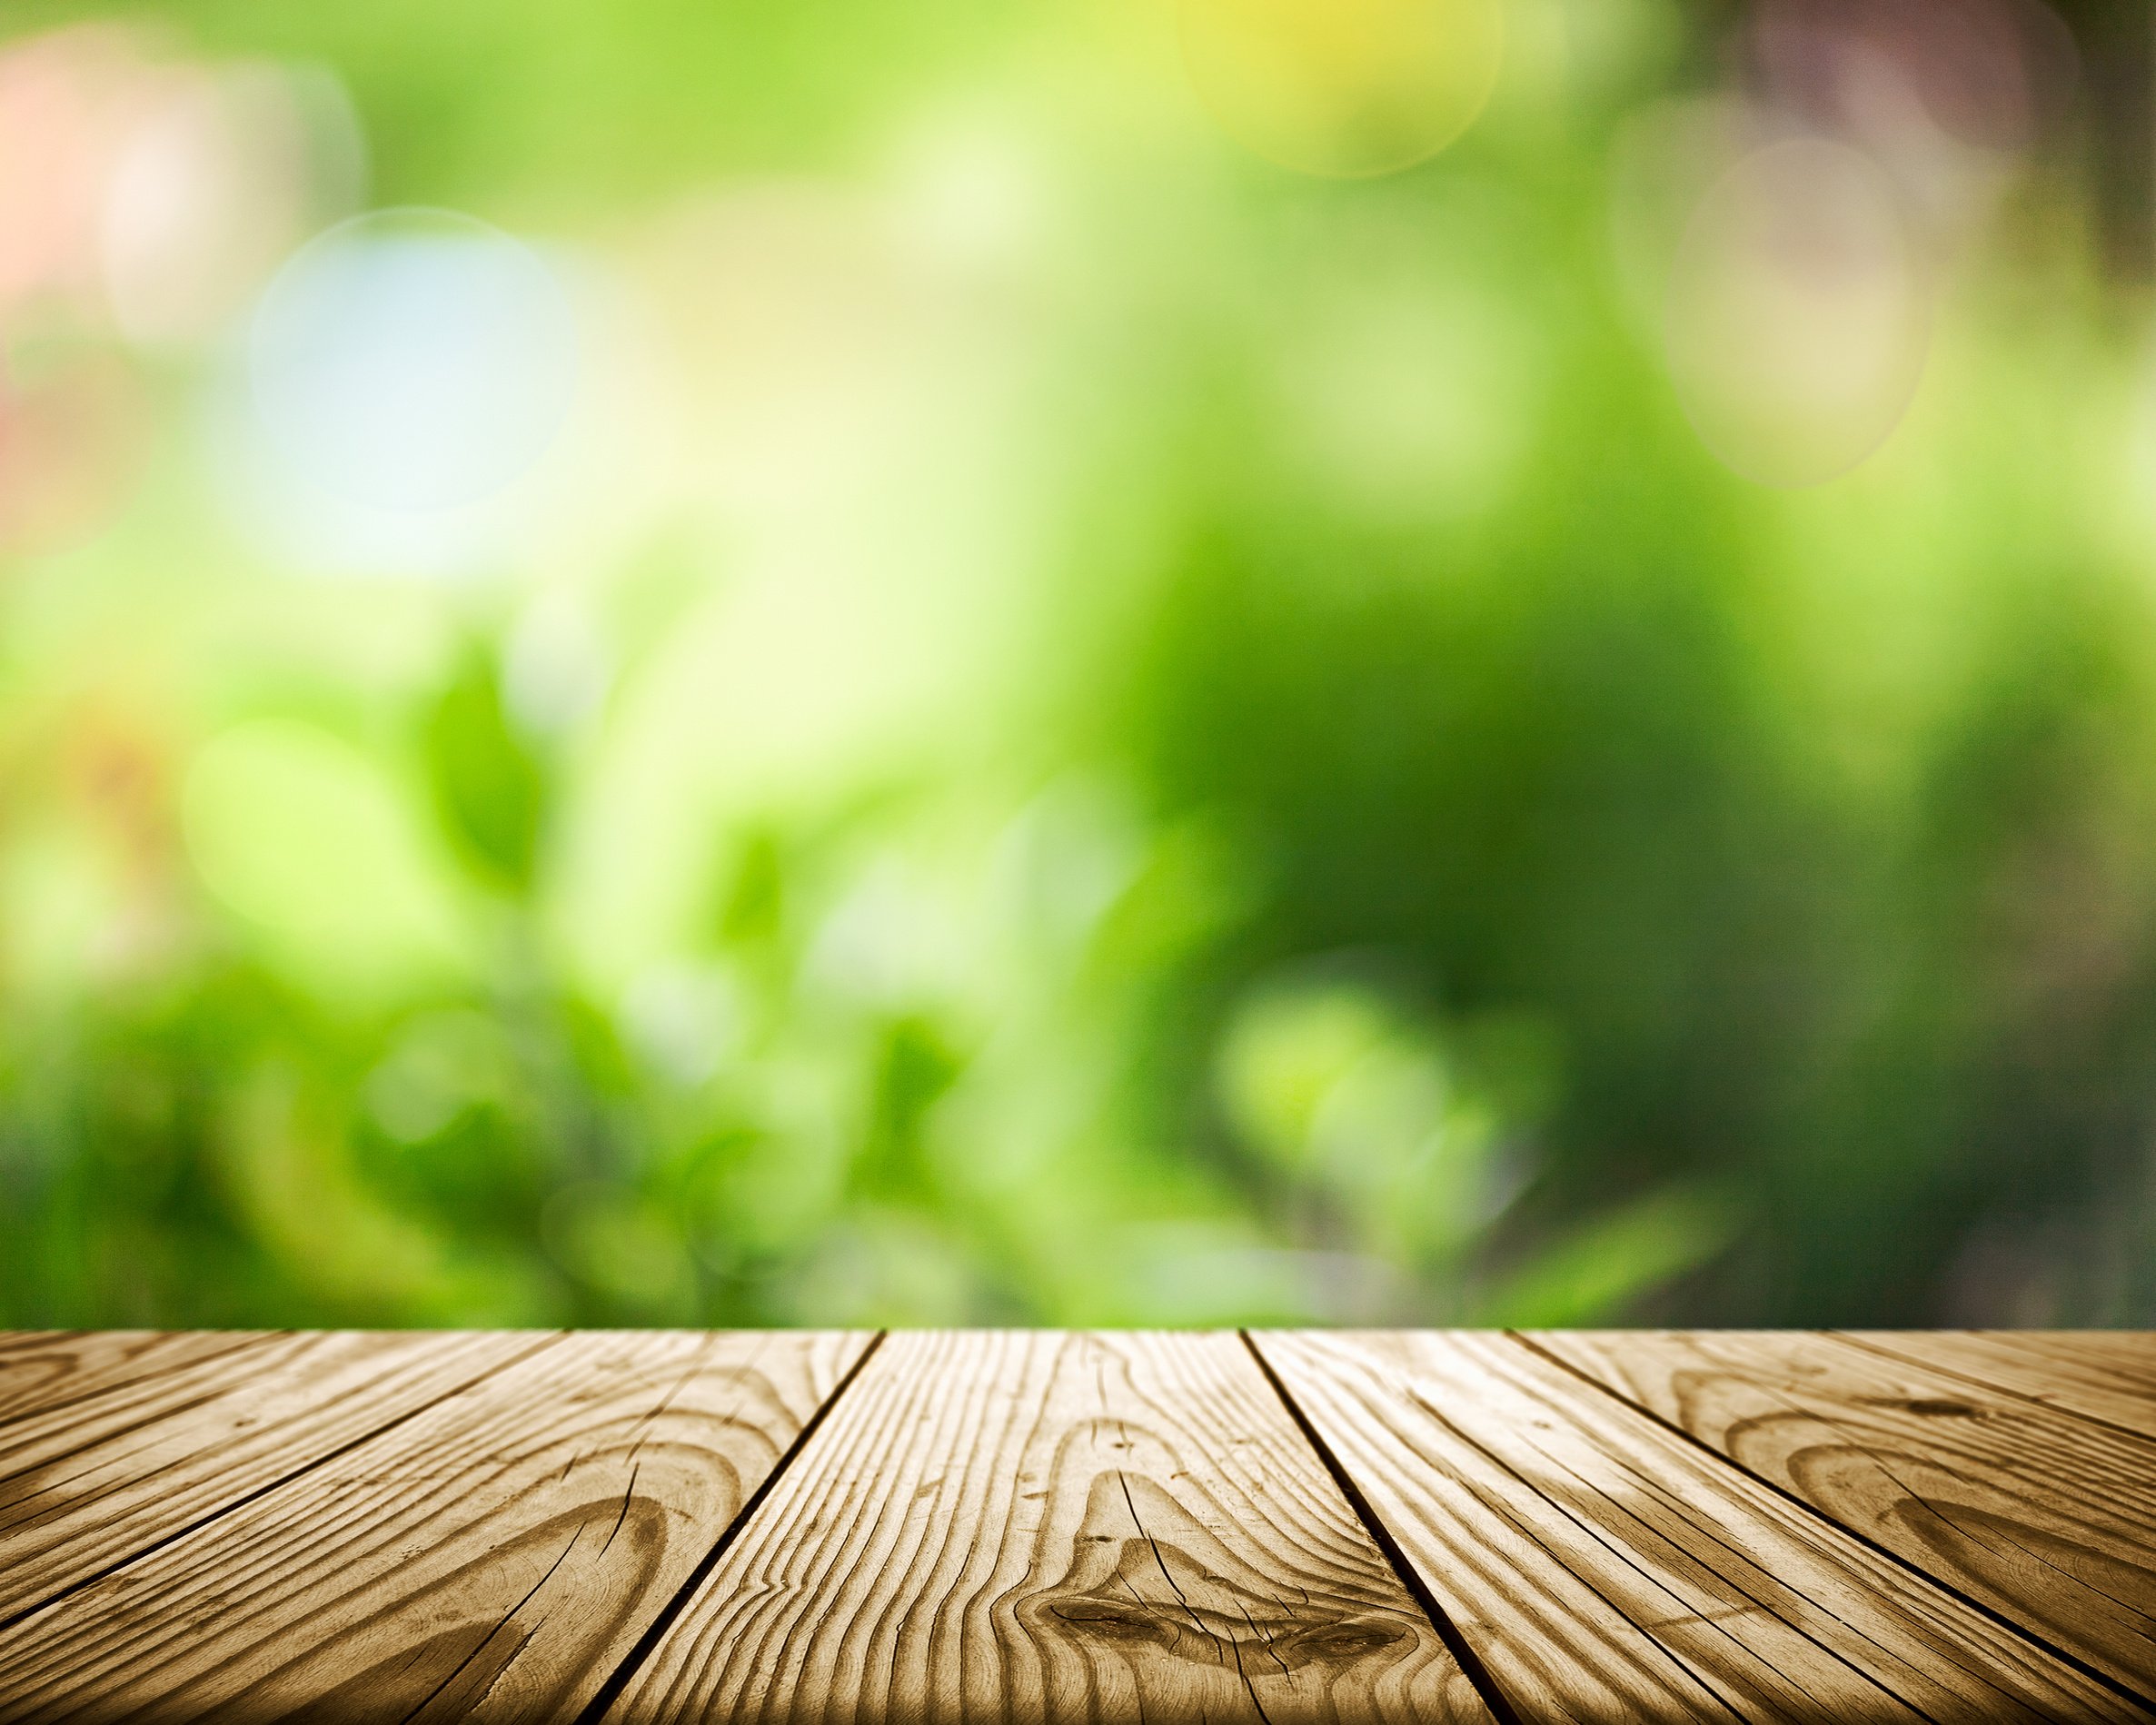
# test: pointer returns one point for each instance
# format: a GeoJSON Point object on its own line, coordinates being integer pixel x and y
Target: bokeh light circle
{"type": "Point", "coordinates": [1797, 319]}
{"type": "Point", "coordinates": [223, 171]}
{"type": "Point", "coordinates": [1344, 88]}
{"type": "Point", "coordinates": [412, 360]}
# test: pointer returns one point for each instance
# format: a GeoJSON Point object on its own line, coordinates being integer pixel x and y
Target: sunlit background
{"type": "Point", "coordinates": [1103, 661]}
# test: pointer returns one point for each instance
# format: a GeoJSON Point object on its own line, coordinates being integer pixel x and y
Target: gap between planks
{"type": "Point", "coordinates": [1595, 1359]}
{"type": "Point", "coordinates": [619, 1678]}
{"type": "Point", "coordinates": [1470, 1661]}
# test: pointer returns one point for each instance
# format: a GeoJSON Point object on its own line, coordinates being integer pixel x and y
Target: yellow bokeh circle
{"type": "Point", "coordinates": [1344, 88]}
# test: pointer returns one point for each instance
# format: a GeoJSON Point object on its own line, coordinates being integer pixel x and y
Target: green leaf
{"type": "Point", "coordinates": [1590, 1276]}
{"type": "Point", "coordinates": [490, 790]}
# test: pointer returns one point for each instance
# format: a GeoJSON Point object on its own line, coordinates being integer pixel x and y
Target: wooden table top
{"type": "Point", "coordinates": [1282, 1526]}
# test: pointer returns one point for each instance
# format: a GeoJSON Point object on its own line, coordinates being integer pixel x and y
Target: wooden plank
{"type": "Point", "coordinates": [2043, 1517]}
{"type": "Point", "coordinates": [1048, 1526]}
{"type": "Point", "coordinates": [77, 1497]}
{"type": "Point", "coordinates": [58, 1368]}
{"type": "Point", "coordinates": [1603, 1568]}
{"type": "Point", "coordinates": [495, 1557]}
{"type": "Point", "coordinates": [2132, 1350]}
{"type": "Point", "coordinates": [2117, 1387]}
{"type": "Point", "coordinates": [144, 1395]}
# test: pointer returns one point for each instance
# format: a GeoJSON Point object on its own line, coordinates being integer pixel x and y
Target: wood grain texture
{"type": "Point", "coordinates": [2042, 1516]}
{"type": "Point", "coordinates": [1055, 1527]}
{"type": "Point", "coordinates": [77, 1424]}
{"type": "Point", "coordinates": [96, 1486]}
{"type": "Point", "coordinates": [494, 1557]}
{"type": "Point", "coordinates": [50, 1369]}
{"type": "Point", "coordinates": [1645, 1526]}
{"type": "Point", "coordinates": [2108, 1376]}
{"type": "Point", "coordinates": [1604, 1569]}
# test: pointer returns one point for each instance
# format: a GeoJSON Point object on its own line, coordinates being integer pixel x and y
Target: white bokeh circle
{"type": "Point", "coordinates": [413, 359]}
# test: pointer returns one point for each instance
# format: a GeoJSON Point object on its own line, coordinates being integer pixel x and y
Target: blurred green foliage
{"type": "Point", "coordinates": [1307, 865]}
